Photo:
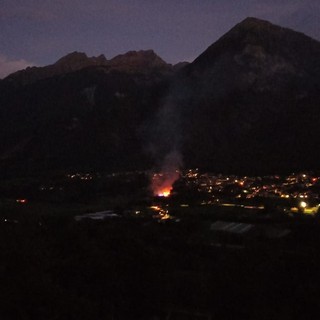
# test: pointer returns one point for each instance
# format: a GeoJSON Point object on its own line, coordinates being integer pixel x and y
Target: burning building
{"type": "Point", "coordinates": [162, 183]}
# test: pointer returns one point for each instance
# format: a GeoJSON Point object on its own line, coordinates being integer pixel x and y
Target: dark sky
{"type": "Point", "coordinates": [39, 32]}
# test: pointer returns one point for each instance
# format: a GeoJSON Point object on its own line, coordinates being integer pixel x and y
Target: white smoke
{"type": "Point", "coordinates": [166, 148]}
{"type": "Point", "coordinates": [169, 172]}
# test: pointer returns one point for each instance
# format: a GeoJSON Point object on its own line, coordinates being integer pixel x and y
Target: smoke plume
{"type": "Point", "coordinates": [166, 146]}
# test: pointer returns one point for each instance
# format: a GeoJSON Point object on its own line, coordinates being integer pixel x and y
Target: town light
{"type": "Point", "coordinates": [303, 204]}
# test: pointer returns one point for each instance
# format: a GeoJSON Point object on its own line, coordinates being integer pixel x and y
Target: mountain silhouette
{"type": "Point", "coordinates": [249, 103]}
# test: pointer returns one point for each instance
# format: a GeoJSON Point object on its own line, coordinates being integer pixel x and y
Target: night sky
{"type": "Point", "coordinates": [39, 32]}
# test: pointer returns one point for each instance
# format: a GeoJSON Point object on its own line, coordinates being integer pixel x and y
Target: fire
{"type": "Point", "coordinates": [162, 183]}
{"type": "Point", "coordinates": [164, 193]}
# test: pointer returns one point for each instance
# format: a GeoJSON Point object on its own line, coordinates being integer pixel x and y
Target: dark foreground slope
{"type": "Point", "coordinates": [53, 267]}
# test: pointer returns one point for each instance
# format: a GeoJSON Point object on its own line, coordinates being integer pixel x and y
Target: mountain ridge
{"type": "Point", "coordinates": [132, 61]}
{"type": "Point", "coordinates": [256, 32]}
{"type": "Point", "coordinates": [249, 103]}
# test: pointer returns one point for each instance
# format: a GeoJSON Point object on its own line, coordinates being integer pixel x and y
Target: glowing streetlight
{"type": "Point", "coordinates": [303, 204]}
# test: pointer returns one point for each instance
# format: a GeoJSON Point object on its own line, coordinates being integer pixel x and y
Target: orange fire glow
{"type": "Point", "coordinates": [162, 183]}
{"type": "Point", "coordinates": [164, 192]}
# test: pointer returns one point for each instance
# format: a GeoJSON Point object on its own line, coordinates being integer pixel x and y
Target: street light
{"type": "Point", "coordinates": [303, 204]}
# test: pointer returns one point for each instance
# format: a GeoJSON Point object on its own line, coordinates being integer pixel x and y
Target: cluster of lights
{"type": "Point", "coordinates": [81, 176]}
{"type": "Point", "coordinates": [161, 213]}
{"type": "Point", "coordinates": [23, 201]}
{"type": "Point", "coordinates": [267, 186]}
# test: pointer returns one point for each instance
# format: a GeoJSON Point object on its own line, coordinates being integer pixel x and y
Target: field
{"type": "Point", "coordinates": [136, 266]}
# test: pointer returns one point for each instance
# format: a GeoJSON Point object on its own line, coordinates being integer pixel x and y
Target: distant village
{"type": "Point", "coordinates": [289, 194]}
{"type": "Point", "coordinates": [297, 192]}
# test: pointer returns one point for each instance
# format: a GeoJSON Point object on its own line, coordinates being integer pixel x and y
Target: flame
{"type": "Point", "coordinates": [164, 193]}
{"type": "Point", "coordinates": [162, 183]}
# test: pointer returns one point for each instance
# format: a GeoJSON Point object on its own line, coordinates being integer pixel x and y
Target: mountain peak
{"type": "Point", "coordinates": [252, 21]}
{"type": "Point", "coordinates": [258, 41]}
{"type": "Point", "coordinates": [146, 54]}
{"type": "Point", "coordinates": [78, 60]}
{"type": "Point", "coordinates": [257, 27]}
{"type": "Point", "coordinates": [69, 63]}
{"type": "Point", "coordinates": [72, 57]}
{"type": "Point", "coordinates": [263, 31]}
{"type": "Point", "coordinates": [143, 60]}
